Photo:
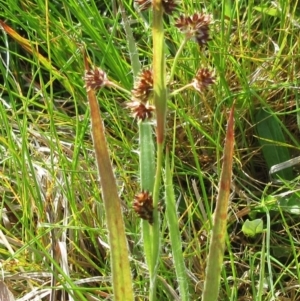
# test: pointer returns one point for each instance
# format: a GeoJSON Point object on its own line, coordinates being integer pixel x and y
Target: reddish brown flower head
{"type": "Point", "coordinates": [140, 110]}
{"type": "Point", "coordinates": [203, 79]}
{"type": "Point", "coordinates": [143, 87]}
{"type": "Point", "coordinates": [168, 5]}
{"type": "Point", "coordinates": [143, 206]}
{"type": "Point", "coordinates": [95, 79]}
{"type": "Point", "coordinates": [196, 25]}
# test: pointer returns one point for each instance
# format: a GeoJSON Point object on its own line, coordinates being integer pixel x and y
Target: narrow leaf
{"type": "Point", "coordinates": [217, 243]}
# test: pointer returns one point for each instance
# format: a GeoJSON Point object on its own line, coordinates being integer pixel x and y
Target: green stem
{"type": "Point", "coordinates": [177, 57]}
{"type": "Point", "coordinates": [159, 71]}
{"type": "Point", "coordinates": [160, 101]}
{"type": "Point", "coordinates": [181, 89]}
{"type": "Point", "coordinates": [116, 86]}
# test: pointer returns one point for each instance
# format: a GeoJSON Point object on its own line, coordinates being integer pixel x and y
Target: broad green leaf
{"type": "Point", "coordinates": [290, 203]}
{"type": "Point", "coordinates": [273, 142]}
{"type": "Point", "coordinates": [266, 9]}
{"type": "Point", "coordinates": [251, 228]}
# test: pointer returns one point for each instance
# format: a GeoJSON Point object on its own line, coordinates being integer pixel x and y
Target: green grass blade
{"type": "Point", "coordinates": [132, 47]}
{"type": "Point", "coordinates": [173, 225]}
{"type": "Point", "coordinates": [147, 175]}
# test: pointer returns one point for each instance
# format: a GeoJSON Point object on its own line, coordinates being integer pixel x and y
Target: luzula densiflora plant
{"type": "Point", "coordinates": [194, 27]}
{"type": "Point", "coordinates": [144, 105]}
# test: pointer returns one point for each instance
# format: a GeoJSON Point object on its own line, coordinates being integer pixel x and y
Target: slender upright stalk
{"type": "Point", "coordinates": [160, 101]}
{"type": "Point", "coordinates": [159, 70]}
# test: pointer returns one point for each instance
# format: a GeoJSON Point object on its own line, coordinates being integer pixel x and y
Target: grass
{"type": "Point", "coordinates": [53, 228]}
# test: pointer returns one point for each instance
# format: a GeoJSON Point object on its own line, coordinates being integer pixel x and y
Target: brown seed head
{"type": "Point", "coordinates": [196, 25]}
{"type": "Point", "coordinates": [95, 79]}
{"type": "Point", "coordinates": [169, 6]}
{"type": "Point", "coordinates": [143, 86]}
{"type": "Point", "coordinates": [203, 79]}
{"type": "Point", "coordinates": [143, 206]}
{"type": "Point", "coordinates": [140, 110]}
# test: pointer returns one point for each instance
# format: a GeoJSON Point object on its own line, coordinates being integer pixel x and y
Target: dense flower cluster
{"type": "Point", "coordinates": [95, 79]}
{"type": "Point", "coordinates": [143, 206]}
{"type": "Point", "coordinates": [141, 94]}
{"type": "Point", "coordinates": [140, 110]}
{"type": "Point", "coordinates": [204, 77]}
{"type": "Point", "coordinates": [143, 86]}
{"type": "Point", "coordinates": [196, 26]}
{"type": "Point", "coordinates": [169, 6]}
